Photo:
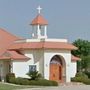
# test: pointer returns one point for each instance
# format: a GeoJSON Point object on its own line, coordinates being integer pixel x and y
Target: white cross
{"type": "Point", "coordinates": [39, 9]}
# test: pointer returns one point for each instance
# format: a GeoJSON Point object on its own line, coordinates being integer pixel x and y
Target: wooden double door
{"type": "Point", "coordinates": [56, 72]}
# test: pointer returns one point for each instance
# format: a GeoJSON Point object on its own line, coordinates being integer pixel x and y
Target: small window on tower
{"type": "Point", "coordinates": [32, 68]}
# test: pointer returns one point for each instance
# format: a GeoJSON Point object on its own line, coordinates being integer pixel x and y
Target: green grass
{"type": "Point", "coordinates": [5, 86]}
{"type": "Point", "coordinates": [9, 87]}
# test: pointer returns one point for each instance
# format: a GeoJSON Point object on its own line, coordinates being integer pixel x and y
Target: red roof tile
{"type": "Point", "coordinates": [39, 20]}
{"type": "Point", "coordinates": [44, 45]}
{"type": "Point", "coordinates": [13, 55]}
{"type": "Point", "coordinates": [6, 39]}
{"type": "Point", "coordinates": [74, 58]}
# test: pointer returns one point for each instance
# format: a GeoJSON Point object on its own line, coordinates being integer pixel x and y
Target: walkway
{"type": "Point", "coordinates": [62, 87]}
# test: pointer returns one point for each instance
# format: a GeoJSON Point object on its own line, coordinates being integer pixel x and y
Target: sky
{"type": "Point", "coordinates": [69, 19]}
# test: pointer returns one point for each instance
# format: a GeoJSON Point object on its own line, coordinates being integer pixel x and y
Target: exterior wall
{"type": "Point", "coordinates": [43, 39]}
{"type": "Point", "coordinates": [49, 54]}
{"type": "Point", "coordinates": [1, 71]}
{"type": "Point", "coordinates": [73, 69]}
{"type": "Point", "coordinates": [4, 69]}
{"type": "Point", "coordinates": [41, 58]}
{"type": "Point", "coordinates": [20, 68]}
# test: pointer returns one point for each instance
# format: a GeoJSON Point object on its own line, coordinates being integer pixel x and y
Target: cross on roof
{"type": "Point", "coordinates": [39, 9]}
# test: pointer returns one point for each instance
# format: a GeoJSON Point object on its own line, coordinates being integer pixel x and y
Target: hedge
{"type": "Point", "coordinates": [41, 82]}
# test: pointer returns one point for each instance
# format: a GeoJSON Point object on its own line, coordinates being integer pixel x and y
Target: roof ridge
{"type": "Point", "coordinates": [4, 30]}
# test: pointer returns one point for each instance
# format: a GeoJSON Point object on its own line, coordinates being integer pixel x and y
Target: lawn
{"type": "Point", "coordinates": [4, 86]}
{"type": "Point", "coordinates": [8, 87]}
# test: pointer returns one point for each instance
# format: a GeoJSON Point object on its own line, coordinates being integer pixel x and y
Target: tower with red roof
{"type": "Point", "coordinates": [39, 26]}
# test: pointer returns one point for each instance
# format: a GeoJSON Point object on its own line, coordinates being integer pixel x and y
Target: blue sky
{"type": "Point", "coordinates": [67, 18]}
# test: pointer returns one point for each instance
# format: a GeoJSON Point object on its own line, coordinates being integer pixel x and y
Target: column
{"type": "Point", "coordinates": [38, 31]}
{"type": "Point", "coordinates": [45, 33]}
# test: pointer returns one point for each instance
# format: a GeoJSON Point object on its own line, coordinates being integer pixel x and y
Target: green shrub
{"type": "Point", "coordinates": [87, 81]}
{"type": "Point", "coordinates": [9, 76]}
{"type": "Point", "coordinates": [87, 73]}
{"type": "Point", "coordinates": [81, 74]}
{"type": "Point", "coordinates": [12, 80]}
{"type": "Point", "coordinates": [54, 83]}
{"type": "Point", "coordinates": [20, 81]}
{"type": "Point", "coordinates": [78, 79]}
{"type": "Point", "coordinates": [81, 77]}
{"type": "Point", "coordinates": [34, 75]}
{"type": "Point", "coordinates": [41, 82]}
{"type": "Point", "coordinates": [82, 80]}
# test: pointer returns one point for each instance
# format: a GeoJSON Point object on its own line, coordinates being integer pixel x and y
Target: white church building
{"type": "Point", "coordinates": [50, 57]}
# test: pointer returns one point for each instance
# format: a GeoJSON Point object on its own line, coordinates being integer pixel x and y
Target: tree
{"type": "Point", "coordinates": [83, 52]}
{"type": "Point", "coordinates": [83, 47]}
{"type": "Point", "coordinates": [86, 63]}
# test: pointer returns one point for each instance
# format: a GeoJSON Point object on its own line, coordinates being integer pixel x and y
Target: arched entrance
{"type": "Point", "coordinates": [57, 69]}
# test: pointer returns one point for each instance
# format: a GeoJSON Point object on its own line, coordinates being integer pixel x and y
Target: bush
{"type": "Point", "coordinates": [81, 77]}
{"type": "Point", "coordinates": [83, 80]}
{"type": "Point", "coordinates": [87, 73]}
{"type": "Point", "coordinates": [12, 80]}
{"type": "Point", "coordinates": [41, 82]}
{"type": "Point", "coordinates": [34, 75]}
{"type": "Point", "coordinates": [20, 81]}
{"type": "Point", "coordinates": [9, 76]}
{"type": "Point", "coordinates": [78, 79]}
{"type": "Point", "coordinates": [87, 81]}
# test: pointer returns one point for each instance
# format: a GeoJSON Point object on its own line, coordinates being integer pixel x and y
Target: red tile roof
{"type": "Point", "coordinates": [6, 39]}
{"type": "Point", "coordinates": [39, 20]}
{"type": "Point", "coordinates": [44, 45]}
{"type": "Point", "coordinates": [74, 58]}
{"type": "Point", "coordinates": [13, 55]}
{"type": "Point", "coordinates": [7, 42]}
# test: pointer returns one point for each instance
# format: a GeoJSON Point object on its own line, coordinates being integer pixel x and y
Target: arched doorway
{"type": "Point", "coordinates": [57, 69]}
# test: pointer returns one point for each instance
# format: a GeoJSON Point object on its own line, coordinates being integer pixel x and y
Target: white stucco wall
{"type": "Point", "coordinates": [49, 54]}
{"type": "Point", "coordinates": [73, 69]}
{"type": "Point", "coordinates": [41, 58]}
{"type": "Point", "coordinates": [20, 68]}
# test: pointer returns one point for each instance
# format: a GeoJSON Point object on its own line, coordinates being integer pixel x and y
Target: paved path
{"type": "Point", "coordinates": [69, 87]}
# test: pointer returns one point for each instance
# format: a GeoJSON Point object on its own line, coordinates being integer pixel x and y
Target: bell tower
{"type": "Point", "coordinates": [39, 26]}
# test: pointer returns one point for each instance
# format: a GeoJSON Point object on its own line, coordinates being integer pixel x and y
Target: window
{"type": "Point", "coordinates": [32, 68]}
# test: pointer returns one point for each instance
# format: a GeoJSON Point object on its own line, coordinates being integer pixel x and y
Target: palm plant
{"type": "Point", "coordinates": [34, 75]}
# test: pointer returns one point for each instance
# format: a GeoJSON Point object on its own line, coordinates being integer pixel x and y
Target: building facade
{"type": "Point", "coordinates": [50, 57]}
